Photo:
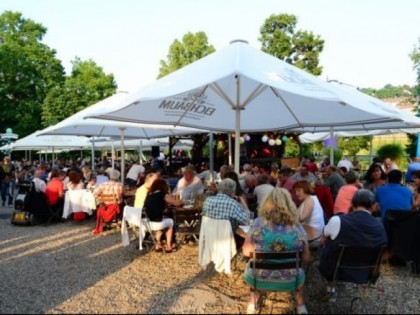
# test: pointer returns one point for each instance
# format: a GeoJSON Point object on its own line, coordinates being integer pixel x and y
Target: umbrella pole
{"type": "Point", "coordinates": [331, 146]}
{"type": "Point", "coordinates": [122, 155]}
{"type": "Point", "coordinates": [211, 156]}
{"type": "Point", "coordinates": [230, 148]}
{"type": "Point", "coordinates": [237, 140]}
{"type": "Point", "coordinates": [93, 154]}
{"type": "Point", "coordinates": [112, 154]}
{"type": "Point", "coordinates": [141, 152]}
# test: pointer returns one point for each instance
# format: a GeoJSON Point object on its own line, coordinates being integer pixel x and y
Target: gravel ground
{"type": "Point", "coordinates": [63, 268]}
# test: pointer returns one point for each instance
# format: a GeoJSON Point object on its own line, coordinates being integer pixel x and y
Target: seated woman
{"type": "Point", "coordinates": [155, 204]}
{"type": "Point", "coordinates": [55, 190]}
{"type": "Point", "coordinates": [310, 211]}
{"type": "Point", "coordinates": [75, 182]}
{"type": "Point", "coordinates": [342, 203]}
{"type": "Point", "coordinates": [275, 230]}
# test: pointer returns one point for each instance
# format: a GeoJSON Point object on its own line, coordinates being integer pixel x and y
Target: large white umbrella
{"type": "Point", "coordinates": [78, 124]}
{"type": "Point", "coordinates": [35, 141]}
{"type": "Point", "coordinates": [242, 89]}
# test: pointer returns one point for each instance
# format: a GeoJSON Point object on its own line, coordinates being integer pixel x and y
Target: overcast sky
{"type": "Point", "coordinates": [367, 42]}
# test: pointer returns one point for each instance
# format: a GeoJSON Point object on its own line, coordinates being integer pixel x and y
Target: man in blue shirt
{"type": "Point", "coordinates": [413, 166]}
{"type": "Point", "coordinates": [394, 195]}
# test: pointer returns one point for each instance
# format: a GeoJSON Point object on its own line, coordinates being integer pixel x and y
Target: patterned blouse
{"type": "Point", "coordinates": [269, 237]}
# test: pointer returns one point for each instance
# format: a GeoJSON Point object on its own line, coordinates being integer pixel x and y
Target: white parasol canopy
{"type": "Point", "coordinates": [242, 89]}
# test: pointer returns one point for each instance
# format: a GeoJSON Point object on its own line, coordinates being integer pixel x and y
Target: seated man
{"type": "Point", "coordinates": [113, 186]}
{"type": "Point", "coordinates": [223, 206]}
{"type": "Point", "coordinates": [113, 191]}
{"type": "Point", "coordinates": [394, 195]}
{"type": "Point", "coordinates": [189, 186]}
{"type": "Point", "coordinates": [359, 228]}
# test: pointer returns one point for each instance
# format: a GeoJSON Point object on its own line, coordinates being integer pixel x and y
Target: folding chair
{"type": "Point", "coordinates": [150, 240]}
{"type": "Point", "coordinates": [360, 266]}
{"type": "Point", "coordinates": [55, 213]}
{"type": "Point", "coordinates": [187, 224]}
{"type": "Point", "coordinates": [403, 232]}
{"type": "Point", "coordinates": [288, 260]}
{"type": "Point", "coordinates": [108, 211]}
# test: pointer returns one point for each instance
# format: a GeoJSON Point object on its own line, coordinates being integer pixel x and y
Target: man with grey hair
{"type": "Point", "coordinates": [40, 185]}
{"type": "Point", "coordinates": [224, 207]}
{"type": "Point", "coordinates": [189, 186]}
{"type": "Point", "coordinates": [358, 228]}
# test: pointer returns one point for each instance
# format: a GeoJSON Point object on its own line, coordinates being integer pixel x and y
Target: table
{"type": "Point", "coordinates": [78, 200]}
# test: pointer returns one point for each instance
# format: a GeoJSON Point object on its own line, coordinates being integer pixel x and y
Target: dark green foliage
{"type": "Point", "coordinates": [192, 48]}
{"type": "Point", "coordinates": [28, 69]}
{"type": "Point", "coordinates": [300, 48]}
{"type": "Point", "coordinates": [394, 151]}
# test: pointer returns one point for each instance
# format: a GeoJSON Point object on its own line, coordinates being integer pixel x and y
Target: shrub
{"type": "Point", "coordinates": [394, 151]}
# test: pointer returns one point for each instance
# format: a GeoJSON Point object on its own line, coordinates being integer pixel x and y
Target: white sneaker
{"type": "Point", "coordinates": [251, 308]}
{"type": "Point", "coordinates": [301, 309]}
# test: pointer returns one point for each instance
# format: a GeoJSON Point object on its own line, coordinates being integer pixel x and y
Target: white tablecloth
{"type": "Point", "coordinates": [78, 200]}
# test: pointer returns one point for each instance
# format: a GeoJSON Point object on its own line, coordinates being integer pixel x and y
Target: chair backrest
{"type": "Point", "coordinates": [360, 265]}
{"type": "Point", "coordinates": [403, 232]}
{"type": "Point", "coordinates": [132, 216]}
{"type": "Point", "coordinates": [187, 222]}
{"type": "Point", "coordinates": [108, 198]}
{"type": "Point", "coordinates": [274, 261]}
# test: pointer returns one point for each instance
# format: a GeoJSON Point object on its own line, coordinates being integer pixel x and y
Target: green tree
{"type": "Point", "coordinates": [352, 145]}
{"type": "Point", "coordinates": [28, 70]}
{"type": "Point", "coordinates": [411, 148]}
{"type": "Point", "coordinates": [389, 91]}
{"type": "Point", "coordinates": [300, 48]}
{"type": "Point", "coordinates": [86, 85]}
{"type": "Point", "coordinates": [192, 48]}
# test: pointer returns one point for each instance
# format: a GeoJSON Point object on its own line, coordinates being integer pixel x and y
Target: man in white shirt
{"type": "Point", "coordinates": [346, 163]}
{"type": "Point", "coordinates": [134, 173]}
{"type": "Point", "coordinates": [40, 185]}
{"type": "Point", "coordinates": [262, 188]}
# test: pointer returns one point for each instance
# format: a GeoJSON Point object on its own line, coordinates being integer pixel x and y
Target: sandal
{"type": "Point", "coordinates": [158, 250]}
{"type": "Point", "coordinates": [173, 249]}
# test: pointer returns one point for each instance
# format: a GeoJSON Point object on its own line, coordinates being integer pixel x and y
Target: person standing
{"type": "Point", "coordinates": [9, 175]}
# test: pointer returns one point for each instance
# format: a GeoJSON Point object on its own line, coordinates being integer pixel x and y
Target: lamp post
{"type": "Point", "coordinates": [8, 136]}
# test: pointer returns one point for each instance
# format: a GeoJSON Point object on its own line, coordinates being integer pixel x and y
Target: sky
{"type": "Point", "coordinates": [367, 43]}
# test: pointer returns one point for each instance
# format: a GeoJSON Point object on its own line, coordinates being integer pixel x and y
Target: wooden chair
{"type": "Point", "coordinates": [288, 260]}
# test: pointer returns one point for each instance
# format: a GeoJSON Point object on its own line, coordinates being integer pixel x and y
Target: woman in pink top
{"type": "Point", "coordinates": [345, 194]}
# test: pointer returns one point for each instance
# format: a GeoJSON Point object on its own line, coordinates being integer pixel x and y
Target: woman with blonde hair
{"type": "Point", "coordinates": [277, 229]}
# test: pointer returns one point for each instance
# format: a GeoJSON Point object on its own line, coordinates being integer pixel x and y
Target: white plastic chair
{"type": "Point", "coordinates": [135, 217]}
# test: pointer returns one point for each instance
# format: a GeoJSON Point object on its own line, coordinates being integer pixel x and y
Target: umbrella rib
{"type": "Point", "coordinates": [219, 91]}
{"type": "Point", "coordinates": [285, 104]}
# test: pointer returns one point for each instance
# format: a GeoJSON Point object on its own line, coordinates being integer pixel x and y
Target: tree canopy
{"type": "Point", "coordinates": [28, 70]}
{"type": "Point", "coordinates": [86, 85]}
{"type": "Point", "coordinates": [181, 53]}
{"type": "Point", "coordinates": [300, 48]}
